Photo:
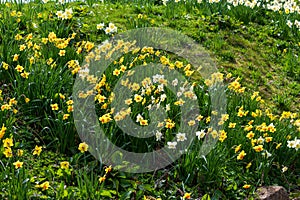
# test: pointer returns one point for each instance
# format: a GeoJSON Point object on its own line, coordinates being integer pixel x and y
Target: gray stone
{"type": "Point", "coordinates": [272, 193]}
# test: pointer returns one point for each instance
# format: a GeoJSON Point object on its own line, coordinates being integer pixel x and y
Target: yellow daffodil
{"type": "Point", "coordinates": [83, 147]}
{"type": "Point", "coordinates": [18, 164]}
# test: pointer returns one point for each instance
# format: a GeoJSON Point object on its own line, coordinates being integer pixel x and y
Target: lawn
{"type": "Point", "coordinates": [149, 99]}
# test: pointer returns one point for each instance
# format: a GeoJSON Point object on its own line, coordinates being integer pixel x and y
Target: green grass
{"type": "Point", "coordinates": [254, 45]}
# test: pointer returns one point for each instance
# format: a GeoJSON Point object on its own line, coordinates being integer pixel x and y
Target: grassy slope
{"type": "Point", "coordinates": [253, 52]}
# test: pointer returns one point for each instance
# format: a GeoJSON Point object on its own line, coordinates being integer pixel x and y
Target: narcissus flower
{"type": "Point", "coordinates": [16, 57]}
{"type": "Point", "coordinates": [258, 148]}
{"type": "Point", "coordinates": [8, 153]}
{"type": "Point", "coordinates": [138, 98]}
{"type": "Point", "coordinates": [223, 135]}
{"type": "Point", "coordinates": [116, 72]}
{"type": "Point", "coordinates": [191, 123]}
{"type": "Point", "coordinates": [18, 37]}
{"type": "Point", "coordinates": [2, 131]}
{"type": "Point", "coordinates": [170, 124]}
{"type": "Point", "coordinates": [250, 135]}
{"type": "Point", "coordinates": [62, 53]}
{"type": "Point", "coordinates": [231, 125]}
{"type": "Point", "coordinates": [237, 148]}
{"type": "Point", "coordinates": [207, 119]}
{"type": "Point", "coordinates": [64, 165]}
{"type": "Point", "coordinates": [37, 150]}
{"type": "Point", "coordinates": [22, 47]}
{"type": "Point", "coordinates": [268, 139]}
{"type": "Point", "coordinates": [248, 128]}
{"type": "Point", "coordinates": [172, 145]}
{"type": "Point", "coordinates": [158, 135]}
{"type": "Point", "coordinates": [128, 101]}
{"type": "Point", "coordinates": [247, 186]}
{"type": "Point", "coordinates": [284, 169]}
{"type": "Point", "coordinates": [54, 106]}
{"type": "Point", "coordinates": [70, 108]}
{"type": "Point", "coordinates": [83, 147]}
{"type": "Point", "coordinates": [105, 118]}
{"type": "Point", "coordinates": [5, 65]}
{"type": "Point", "coordinates": [200, 134]}
{"type": "Point", "coordinates": [66, 116]}
{"type": "Point", "coordinates": [108, 169]}
{"type": "Point", "coordinates": [5, 107]}
{"type": "Point", "coordinates": [180, 102]}
{"type": "Point", "coordinates": [187, 196]}
{"type": "Point", "coordinates": [224, 117]}
{"type": "Point", "coordinates": [241, 155]}
{"type": "Point", "coordinates": [199, 118]}
{"type": "Point", "coordinates": [8, 142]}
{"type": "Point", "coordinates": [266, 154]}
{"type": "Point", "coordinates": [20, 152]}
{"type": "Point", "coordinates": [100, 26]}
{"type": "Point", "coordinates": [235, 85]}
{"type": "Point", "coordinates": [248, 165]}
{"type": "Point", "coordinates": [278, 145]}
{"type": "Point", "coordinates": [143, 122]}
{"type": "Point", "coordinates": [13, 101]}
{"type": "Point", "coordinates": [214, 134]}
{"type": "Point", "coordinates": [19, 68]}
{"type": "Point", "coordinates": [181, 137]}
{"type": "Point", "coordinates": [25, 74]}
{"type": "Point", "coordinates": [102, 179]}
{"type": "Point", "coordinates": [45, 185]}
{"type": "Point", "coordinates": [18, 164]}
{"type": "Point", "coordinates": [69, 102]}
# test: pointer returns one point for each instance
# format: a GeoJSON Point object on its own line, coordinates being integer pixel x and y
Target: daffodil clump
{"type": "Point", "coordinates": [290, 8]}
{"type": "Point", "coordinates": [45, 46]}
{"type": "Point", "coordinates": [249, 127]}
{"type": "Point", "coordinates": [147, 95]}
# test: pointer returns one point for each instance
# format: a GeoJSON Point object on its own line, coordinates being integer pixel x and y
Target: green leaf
{"type": "Point", "coordinates": [235, 186]}
{"type": "Point", "coordinates": [217, 195]}
{"type": "Point", "coordinates": [146, 187]}
{"type": "Point", "coordinates": [106, 193]}
{"type": "Point", "coordinates": [206, 197]}
{"type": "Point", "coordinates": [65, 193]}
{"type": "Point", "coordinates": [126, 195]}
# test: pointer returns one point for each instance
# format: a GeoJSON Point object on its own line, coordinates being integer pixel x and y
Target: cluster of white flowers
{"type": "Point", "coordinates": [158, 78]}
{"type": "Point", "coordinates": [247, 3]}
{"type": "Point", "coordinates": [111, 28]}
{"type": "Point", "coordinates": [200, 134]}
{"type": "Point", "coordinates": [284, 169]}
{"type": "Point", "coordinates": [84, 71]}
{"type": "Point", "coordinates": [158, 135]}
{"type": "Point", "coordinates": [67, 14]}
{"type": "Point", "coordinates": [286, 6]}
{"type": "Point", "coordinates": [165, 2]}
{"type": "Point", "coordinates": [172, 145]}
{"type": "Point", "coordinates": [291, 24]}
{"type": "Point", "coordinates": [180, 138]}
{"type": "Point", "coordinates": [294, 144]}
